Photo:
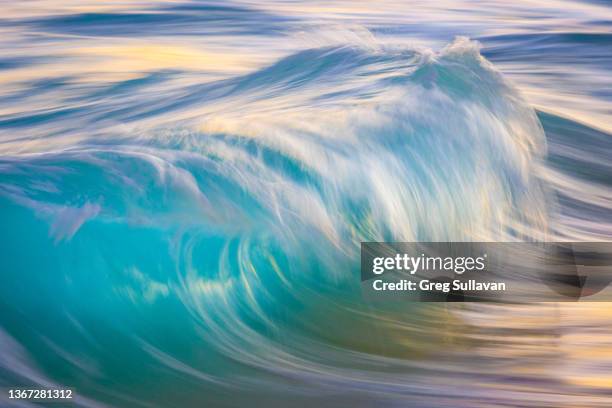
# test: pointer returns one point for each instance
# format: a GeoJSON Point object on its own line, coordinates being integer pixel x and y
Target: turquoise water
{"type": "Point", "coordinates": [184, 187]}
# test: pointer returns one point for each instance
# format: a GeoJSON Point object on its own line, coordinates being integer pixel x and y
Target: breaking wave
{"type": "Point", "coordinates": [216, 242]}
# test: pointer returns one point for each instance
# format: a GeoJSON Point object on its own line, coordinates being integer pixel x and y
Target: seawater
{"type": "Point", "coordinates": [184, 187]}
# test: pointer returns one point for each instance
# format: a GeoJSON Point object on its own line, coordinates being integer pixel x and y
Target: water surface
{"type": "Point", "coordinates": [184, 186]}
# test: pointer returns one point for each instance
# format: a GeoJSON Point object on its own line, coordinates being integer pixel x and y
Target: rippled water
{"type": "Point", "coordinates": [184, 186]}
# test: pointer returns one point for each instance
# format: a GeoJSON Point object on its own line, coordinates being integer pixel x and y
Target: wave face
{"type": "Point", "coordinates": [184, 229]}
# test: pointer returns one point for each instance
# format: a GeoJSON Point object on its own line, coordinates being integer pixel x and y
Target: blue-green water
{"type": "Point", "coordinates": [184, 187]}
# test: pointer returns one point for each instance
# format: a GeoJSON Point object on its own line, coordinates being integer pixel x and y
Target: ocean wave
{"type": "Point", "coordinates": [218, 244]}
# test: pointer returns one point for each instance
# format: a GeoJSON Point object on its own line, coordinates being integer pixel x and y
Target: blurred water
{"type": "Point", "coordinates": [184, 186]}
